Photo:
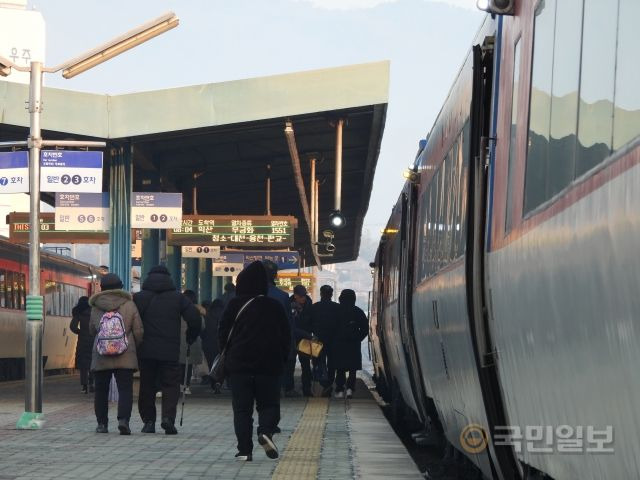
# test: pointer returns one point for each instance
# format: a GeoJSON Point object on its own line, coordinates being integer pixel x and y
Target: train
{"type": "Point", "coordinates": [505, 308]}
{"type": "Point", "coordinates": [63, 281]}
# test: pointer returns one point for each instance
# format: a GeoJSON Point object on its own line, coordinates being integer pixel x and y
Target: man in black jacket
{"type": "Point", "coordinates": [324, 320]}
{"type": "Point", "coordinates": [301, 310]}
{"type": "Point", "coordinates": [161, 308]}
{"type": "Point", "coordinates": [255, 357]}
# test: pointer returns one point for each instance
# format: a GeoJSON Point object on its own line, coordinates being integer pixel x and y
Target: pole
{"type": "Point", "coordinates": [312, 190]}
{"type": "Point", "coordinates": [317, 207]}
{"type": "Point", "coordinates": [32, 416]}
{"type": "Point", "coordinates": [338, 187]}
{"type": "Point", "coordinates": [268, 189]}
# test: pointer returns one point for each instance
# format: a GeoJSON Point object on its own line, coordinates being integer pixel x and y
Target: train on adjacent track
{"type": "Point", "coordinates": [505, 299]}
{"type": "Point", "coordinates": [63, 282]}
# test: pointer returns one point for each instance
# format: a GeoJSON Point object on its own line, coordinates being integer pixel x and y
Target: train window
{"type": "Point", "coordinates": [540, 105]}
{"type": "Point", "coordinates": [626, 117]}
{"type": "Point", "coordinates": [564, 100]}
{"type": "Point", "coordinates": [597, 80]}
{"type": "Point", "coordinates": [512, 142]}
{"type": "Point", "coordinates": [3, 291]}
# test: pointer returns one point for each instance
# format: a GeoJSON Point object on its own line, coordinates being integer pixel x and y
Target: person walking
{"type": "Point", "coordinates": [210, 334]}
{"type": "Point", "coordinates": [288, 382]}
{"type": "Point", "coordinates": [324, 318]}
{"type": "Point", "coordinates": [118, 331]}
{"type": "Point", "coordinates": [195, 352]}
{"type": "Point", "coordinates": [301, 311]}
{"type": "Point", "coordinates": [346, 353]}
{"type": "Point", "coordinates": [162, 309]}
{"type": "Point", "coordinates": [81, 317]}
{"type": "Point", "coordinates": [255, 331]}
{"type": "Point", "coordinates": [229, 293]}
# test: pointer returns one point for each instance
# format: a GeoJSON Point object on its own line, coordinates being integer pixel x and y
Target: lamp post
{"type": "Point", "coordinates": [32, 418]}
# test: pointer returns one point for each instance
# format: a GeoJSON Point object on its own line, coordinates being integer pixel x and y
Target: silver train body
{"type": "Point", "coordinates": [505, 298]}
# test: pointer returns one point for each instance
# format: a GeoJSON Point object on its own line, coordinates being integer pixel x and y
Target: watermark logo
{"type": "Point", "coordinates": [540, 439]}
{"type": "Point", "coordinates": [473, 438]}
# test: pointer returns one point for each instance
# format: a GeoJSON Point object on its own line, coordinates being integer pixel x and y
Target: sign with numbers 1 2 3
{"type": "Point", "coordinates": [14, 172]}
{"type": "Point", "coordinates": [70, 171]}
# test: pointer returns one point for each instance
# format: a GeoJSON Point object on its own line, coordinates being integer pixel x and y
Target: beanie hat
{"type": "Point", "coordinates": [160, 269]}
{"type": "Point", "coordinates": [110, 281]}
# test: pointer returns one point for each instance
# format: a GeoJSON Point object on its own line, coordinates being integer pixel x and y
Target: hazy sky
{"type": "Point", "coordinates": [218, 40]}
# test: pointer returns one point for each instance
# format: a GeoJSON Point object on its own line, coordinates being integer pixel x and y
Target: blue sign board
{"type": "Point", "coordinates": [284, 260]}
{"type": "Point", "coordinates": [14, 172]}
{"type": "Point", "coordinates": [70, 171]}
{"type": "Point", "coordinates": [82, 211]}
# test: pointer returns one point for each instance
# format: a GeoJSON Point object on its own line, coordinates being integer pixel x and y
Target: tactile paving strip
{"type": "Point", "coordinates": [300, 459]}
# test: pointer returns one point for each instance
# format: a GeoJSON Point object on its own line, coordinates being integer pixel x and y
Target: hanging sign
{"type": "Point", "coordinates": [82, 211]}
{"type": "Point", "coordinates": [228, 264]}
{"type": "Point", "coordinates": [70, 171]}
{"type": "Point", "coordinates": [200, 252]}
{"type": "Point", "coordinates": [284, 260]}
{"type": "Point", "coordinates": [14, 172]}
{"type": "Point", "coordinates": [19, 231]}
{"type": "Point", "coordinates": [156, 210]}
{"type": "Point", "coordinates": [287, 282]}
{"type": "Point", "coordinates": [234, 230]}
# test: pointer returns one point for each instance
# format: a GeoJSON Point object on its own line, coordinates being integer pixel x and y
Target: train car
{"type": "Point", "coordinates": [63, 281]}
{"type": "Point", "coordinates": [519, 259]}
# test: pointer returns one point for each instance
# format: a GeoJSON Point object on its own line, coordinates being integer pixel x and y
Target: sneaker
{"type": "Point", "coordinates": [158, 394]}
{"type": "Point", "coordinates": [244, 457]}
{"type": "Point", "coordinates": [123, 426]}
{"type": "Point", "coordinates": [84, 389]}
{"type": "Point", "coordinates": [169, 426]}
{"type": "Point", "coordinates": [149, 427]}
{"type": "Point", "coordinates": [102, 428]}
{"type": "Point", "coordinates": [187, 391]}
{"type": "Point", "coordinates": [292, 394]}
{"type": "Point", "coordinates": [339, 395]}
{"type": "Point", "coordinates": [349, 393]}
{"type": "Point", "coordinates": [269, 447]}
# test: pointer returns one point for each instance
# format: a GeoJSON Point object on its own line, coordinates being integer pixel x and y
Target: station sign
{"type": "Point", "coordinates": [19, 231]}
{"type": "Point", "coordinates": [156, 210]}
{"type": "Point", "coordinates": [82, 211]}
{"type": "Point", "coordinates": [287, 282]}
{"type": "Point", "coordinates": [228, 264]}
{"type": "Point", "coordinates": [14, 172]}
{"type": "Point", "coordinates": [70, 171]}
{"type": "Point", "coordinates": [200, 252]}
{"type": "Point", "coordinates": [284, 260]}
{"type": "Point", "coordinates": [234, 231]}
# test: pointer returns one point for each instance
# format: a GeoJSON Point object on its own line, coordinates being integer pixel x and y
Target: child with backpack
{"type": "Point", "coordinates": [117, 327]}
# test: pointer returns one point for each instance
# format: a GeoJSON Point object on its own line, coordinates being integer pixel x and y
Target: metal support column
{"type": "Point", "coordinates": [206, 280]}
{"type": "Point", "coordinates": [120, 184]}
{"type": "Point", "coordinates": [174, 265]}
{"type": "Point", "coordinates": [32, 416]}
{"type": "Point", "coordinates": [150, 250]}
{"type": "Point", "coordinates": [191, 274]}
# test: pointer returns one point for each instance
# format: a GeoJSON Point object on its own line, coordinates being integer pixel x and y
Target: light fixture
{"type": "Point", "coordinates": [497, 7]}
{"type": "Point", "coordinates": [411, 175]}
{"type": "Point", "coordinates": [336, 219]}
{"type": "Point", "coordinates": [121, 44]}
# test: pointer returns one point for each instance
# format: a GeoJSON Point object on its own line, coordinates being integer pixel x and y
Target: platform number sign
{"type": "Point", "coordinates": [156, 210]}
{"type": "Point", "coordinates": [14, 172]}
{"type": "Point", "coordinates": [70, 171]}
{"type": "Point", "coordinates": [82, 211]}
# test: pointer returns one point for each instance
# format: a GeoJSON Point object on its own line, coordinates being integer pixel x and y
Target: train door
{"type": "Point", "coordinates": [481, 106]}
{"type": "Point", "coordinates": [407, 254]}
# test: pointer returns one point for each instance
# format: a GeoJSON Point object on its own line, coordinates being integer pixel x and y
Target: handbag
{"type": "Point", "coordinates": [309, 347]}
{"type": "Point", "coordinates": [217, 372]}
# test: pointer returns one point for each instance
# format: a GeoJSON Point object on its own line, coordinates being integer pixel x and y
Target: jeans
{"type": "Point", "coordinates": [265, 391]}
{"type": "Point", "coordinates": [124, 379]}
{"type": "Point", "coordinates": [154, 375]}
{"type": "Point", "coordinates": [341, 377]}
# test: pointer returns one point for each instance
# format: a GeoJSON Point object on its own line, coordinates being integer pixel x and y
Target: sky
{"type": "Point", "coordinates": [219, 40]}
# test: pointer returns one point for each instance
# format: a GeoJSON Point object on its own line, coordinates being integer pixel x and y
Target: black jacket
{"type": "Point", "coordinates": [324, 320]}
{"type": "Point", "coordinates": [352, 328]}
{"type": "Point", "coordinates": [210, 333]}
{"type": "Point", "coordinates": [81, 317]}
{"type": "Point", "coordinates": [261, 340]}
{"type": "Point", "coordinates": [302, 318]}
{"type": "Point", "coordinates": [161, 307]}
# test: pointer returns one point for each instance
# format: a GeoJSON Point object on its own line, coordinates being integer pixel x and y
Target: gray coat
{"type": "Point", "coordinates": [122, 301]}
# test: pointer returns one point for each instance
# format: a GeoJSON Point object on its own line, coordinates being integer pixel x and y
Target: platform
{"type": "Point", "coordinates": [321, 438]}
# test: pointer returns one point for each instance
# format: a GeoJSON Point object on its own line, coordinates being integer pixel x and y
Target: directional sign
{"type": "Point", "coordinates": [82, 211]}
{"type": "Point", "coordinates": [200, 252]}
{"type": "Point", "coordinates": [228, 264]}
{"type": "Point", "coordinates": [70, 171]}
{"type": "Point", "coordinates": [284, 260]}
{"type": "Point", "coordinates": [14, 172]}
{"type": "Point", "coordinates": [19, 231]}
{"type": "Point", "coordinates": [234, 230]}
{"type": "Point", "coordinates": [287, 281]}
{"type": "Point", "coordinates": [156, 210]}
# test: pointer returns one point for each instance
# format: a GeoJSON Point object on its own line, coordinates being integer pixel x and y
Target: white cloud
{"type": "Point", "coordinates": [361, 4]}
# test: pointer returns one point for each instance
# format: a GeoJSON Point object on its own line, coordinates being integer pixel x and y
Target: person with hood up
{"type": "Point", "coordinates": [324, 318]}
{"type": "Point", "coordinates": [195, 352]}
{"type": "Point", "coordinates": [256, 352]}
{"type": "Point", "coordinates": [81, 316]}
{"type": "Point", "coordinates": [113, 299]}
{"type": "Point", "coordinates": [346, 355]}
{"type": "Point", "coordinates": [210, 334]}
{"type": "Point", "coordinates": [301, 311]}
{"type": "Point", "coordinates": [162, 309]}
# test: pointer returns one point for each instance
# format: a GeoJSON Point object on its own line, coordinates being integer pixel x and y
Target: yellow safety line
{"type": "Point", "coordinates": [300, 458]}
